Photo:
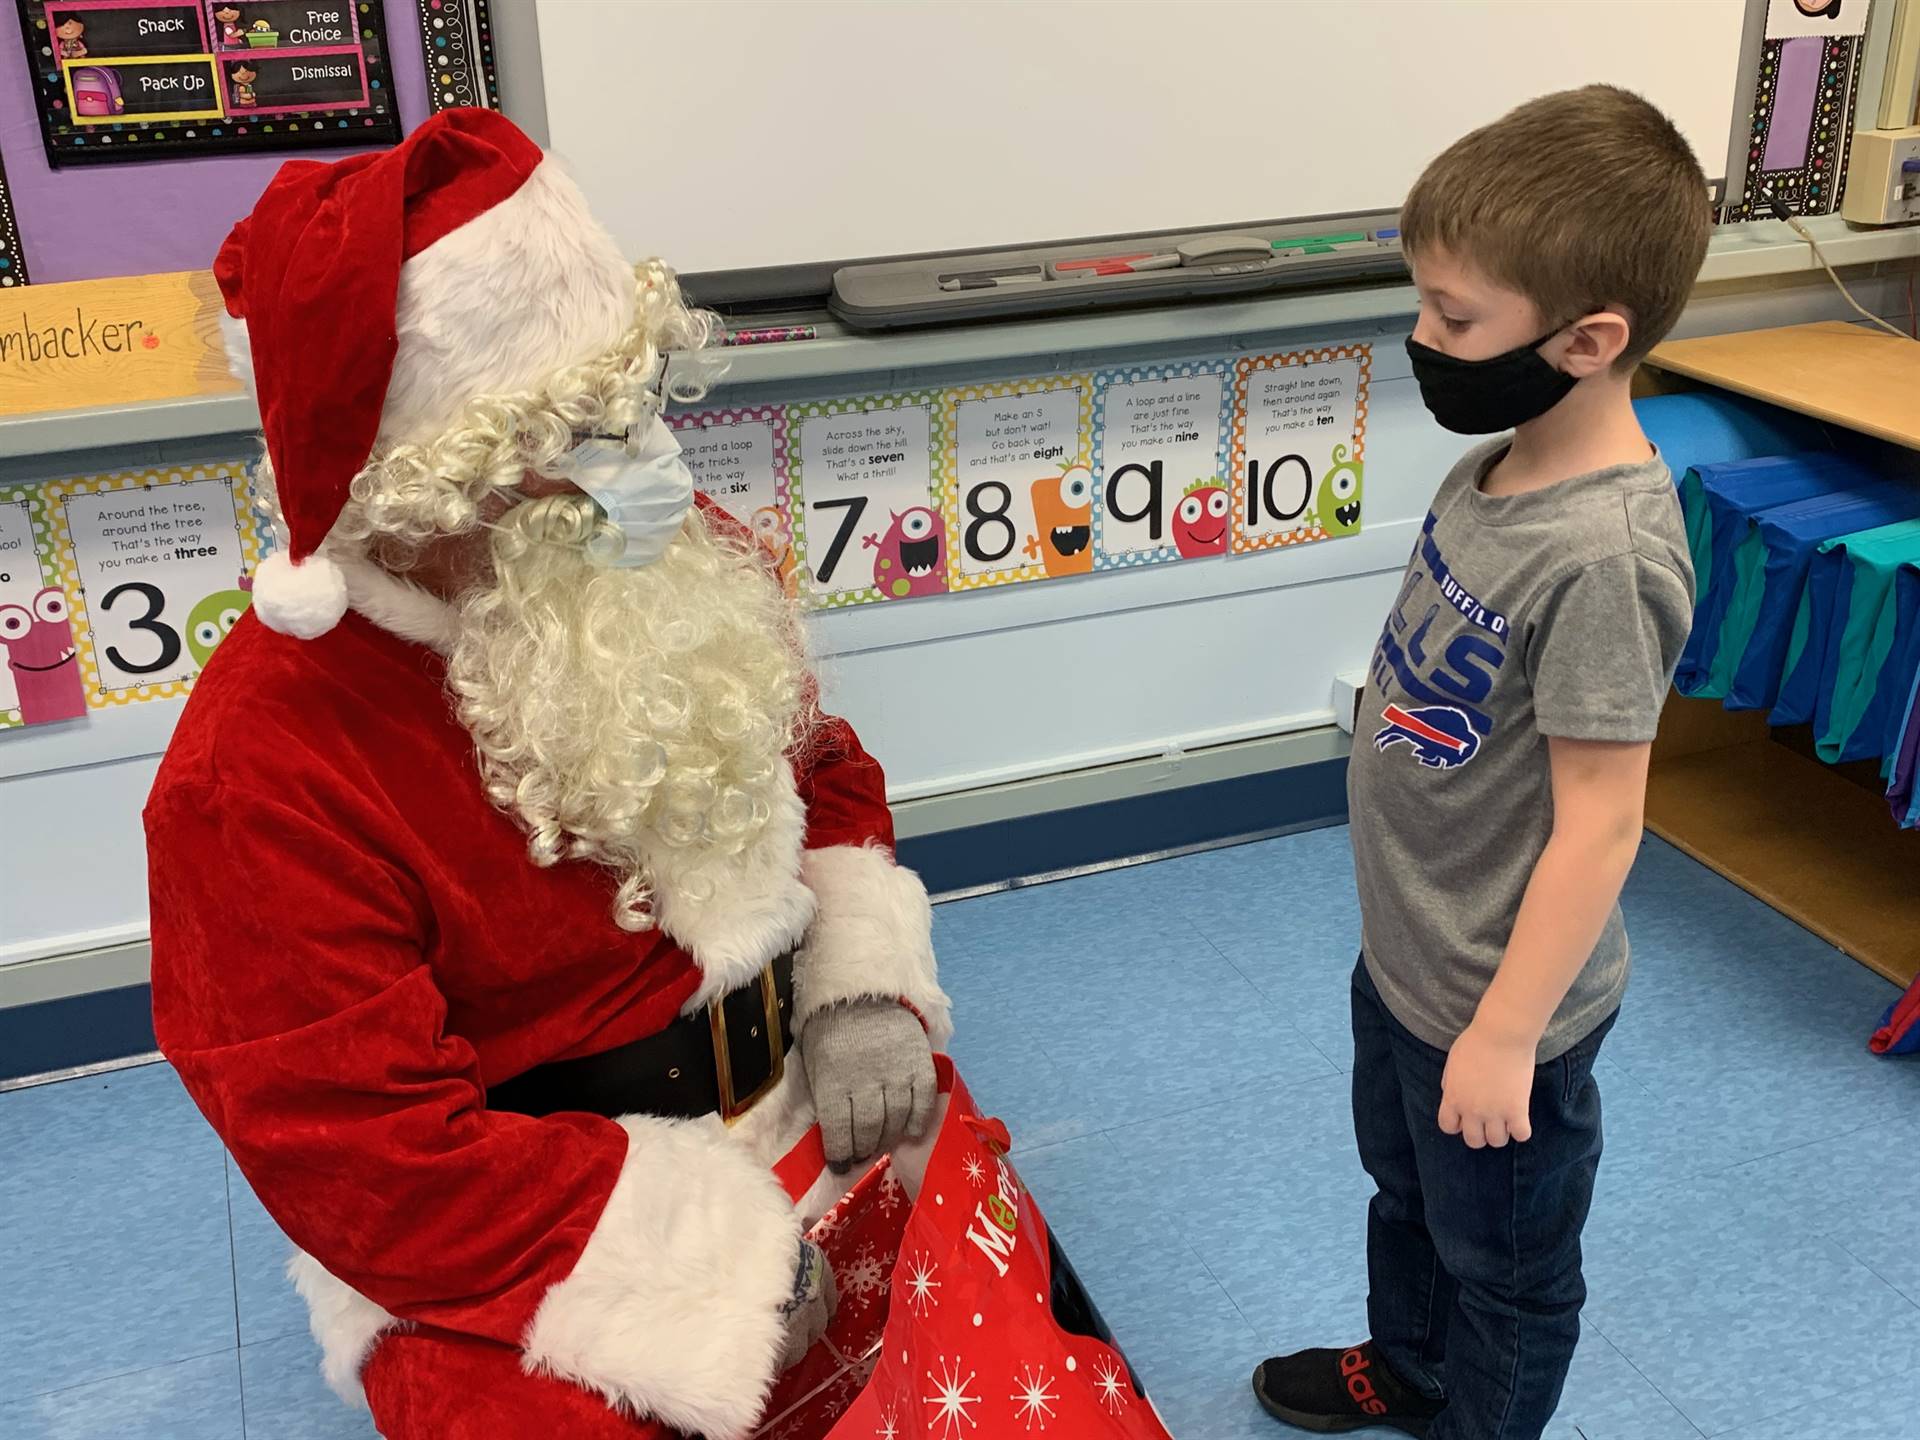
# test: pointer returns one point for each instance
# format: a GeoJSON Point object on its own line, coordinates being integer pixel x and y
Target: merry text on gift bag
{"type": "Point", "coordinates": [961, 1317]}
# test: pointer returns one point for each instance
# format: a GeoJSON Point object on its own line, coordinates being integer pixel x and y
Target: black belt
{"type": "Point", "coordinates": [722, 1059]}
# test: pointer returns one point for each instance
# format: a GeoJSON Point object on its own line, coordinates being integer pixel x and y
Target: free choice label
{"type": "Point", "coordinates": [272, 24]}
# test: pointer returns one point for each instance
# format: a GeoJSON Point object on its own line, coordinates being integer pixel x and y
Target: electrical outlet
{"type": "Point", "coordinates": [1883, 177]}
{"type": "Point", "coordinates": [1347, 690]}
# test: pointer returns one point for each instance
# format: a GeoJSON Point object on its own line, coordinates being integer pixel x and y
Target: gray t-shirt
{"type": "Point", "coordinates": [1560, 612]}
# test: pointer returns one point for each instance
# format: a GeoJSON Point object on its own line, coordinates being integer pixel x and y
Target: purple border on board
{"type": "Point", "coordinates": [90, 222]}
{"type": "Point", "coordinates": [1794, 95]}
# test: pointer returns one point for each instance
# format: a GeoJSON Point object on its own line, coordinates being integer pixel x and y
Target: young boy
{"type": "Point", "coordinates": [1500, 763]}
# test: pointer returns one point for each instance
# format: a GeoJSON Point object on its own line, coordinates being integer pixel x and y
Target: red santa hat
{"type": "Point", "coordinates": [357, 281]}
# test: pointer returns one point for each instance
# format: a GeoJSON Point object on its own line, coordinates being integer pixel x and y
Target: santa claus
{"type": "Point", "coordinates": [548, 857]}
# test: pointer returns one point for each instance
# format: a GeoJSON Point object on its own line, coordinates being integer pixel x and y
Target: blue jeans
{"type": "Point", "coordinates": [1473, 1256]}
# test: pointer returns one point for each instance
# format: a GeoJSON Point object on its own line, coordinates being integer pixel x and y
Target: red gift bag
{"type": "Point", "coordinates": [959, 1315]}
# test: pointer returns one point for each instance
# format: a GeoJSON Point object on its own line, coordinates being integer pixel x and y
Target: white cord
{"type": "Point", "coordinates": [1807, 236]}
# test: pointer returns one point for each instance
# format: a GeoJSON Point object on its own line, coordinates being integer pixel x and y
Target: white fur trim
{"type": "Point", "coordinates": [304, 600]}
{"type": "Point", "coordinates": [734, 913]}
{"type": "Point", "coordinates": [672, 1311]}
{"type": "Point", "coordinates": [344, 1322]}
{"type": "Point", "coordinates": [239, 347]}
{"type": "Point", "coordinates": [399, 606]}
{"type": "Point", "coordinates": [872, 937]}
{"type": "Point", "coordinates": [498, 305]}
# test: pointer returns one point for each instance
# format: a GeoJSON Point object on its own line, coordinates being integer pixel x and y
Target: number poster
{"type": "Point", "coordinates": [157, 565]}
{"type": "Point", "coordinates": [867, 506]}
{"type": "Point", "coordinates": [117, 588]}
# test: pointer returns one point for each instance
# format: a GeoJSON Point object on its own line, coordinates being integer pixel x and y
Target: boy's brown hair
{"type": "Point", "coordinates": [1578, 200]}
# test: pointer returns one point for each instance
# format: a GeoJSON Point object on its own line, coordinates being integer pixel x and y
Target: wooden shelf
{"type": "Point", "coordinates": [1798, 834]}
{"type": "Point", "coordinates": [1804, 837]}
{"type": "Point", "coordinates": [1852, 375]}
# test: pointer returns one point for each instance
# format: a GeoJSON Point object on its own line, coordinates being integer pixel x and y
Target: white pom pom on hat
{"type": "Point", "coordinates": [304, 599]}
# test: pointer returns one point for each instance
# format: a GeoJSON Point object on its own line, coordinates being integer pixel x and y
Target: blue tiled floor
{"type": "Point", "coordinates": [1168, 1044]}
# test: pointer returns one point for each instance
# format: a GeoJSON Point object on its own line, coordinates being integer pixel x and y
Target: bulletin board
{"type": "Point", "coordinates": [84, 222]}
{"type": "Point", "coordinates": [121, 81]}
{"type": "Point", "coordinates": [1800, 120]}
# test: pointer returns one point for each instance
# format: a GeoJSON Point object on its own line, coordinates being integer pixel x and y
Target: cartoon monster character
{"type": "Point", "coordinates": [911, 558]}
{"type": "Point", "coordinates": [243, 77]}
{"type": "Point", "coordinates": [232, 37]}
{"type": "Point", "coordinates": [42, 659]}
{"type": "Point", "coordinates": [770, 525]}
{"type": "Point", "coordinates": [213, 617]}
{"type": "Point", "coordinates": [1338, 502]}
{"type": "Point", "coordinates": [71, 32]}
{"type": "Point", "coordinates": [1200, 521]}
{"type": "Point", "coordinates": [1063, 513]}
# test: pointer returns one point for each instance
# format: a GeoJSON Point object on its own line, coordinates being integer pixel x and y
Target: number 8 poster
{"type": "Point", "coordinates": [1020, 492]}
{"type": "Point", "coordinates": [158, 563]}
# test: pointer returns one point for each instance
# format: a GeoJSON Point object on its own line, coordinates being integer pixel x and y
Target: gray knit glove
{"type": "Point", "coordinates": [810, 1309]}
{"type": "Point", "coordinates": [871, 1068]}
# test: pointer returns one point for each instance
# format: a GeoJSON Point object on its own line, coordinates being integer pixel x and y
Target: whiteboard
{"type": "Point", "coordinates": [743, 133]}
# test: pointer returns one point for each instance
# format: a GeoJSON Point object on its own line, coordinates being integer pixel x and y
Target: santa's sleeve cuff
{"type": "Point", "coordinates": [672, 1312]}
{"type": "Point", "coordinates": [872, 938]}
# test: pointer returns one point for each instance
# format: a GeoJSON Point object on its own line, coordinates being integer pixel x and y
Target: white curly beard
{"type": "Point", "coordinates": [624, 714]}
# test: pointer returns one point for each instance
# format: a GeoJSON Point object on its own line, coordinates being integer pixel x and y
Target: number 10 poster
{"type": "Point", "coordinates": [160, 568]}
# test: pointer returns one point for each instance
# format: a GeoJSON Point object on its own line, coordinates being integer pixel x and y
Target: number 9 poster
{"type": "Point", "coordinates": [158, 564]}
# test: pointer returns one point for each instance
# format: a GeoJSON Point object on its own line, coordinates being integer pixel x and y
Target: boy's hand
{"type": "Point", "coordinates": [1487, 1088]}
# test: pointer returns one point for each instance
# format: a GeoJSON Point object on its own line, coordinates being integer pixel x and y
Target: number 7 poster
{"type": "Point", "coordinates": [158, 563]}
{"type": "Point", "coordinates": [866, 501]}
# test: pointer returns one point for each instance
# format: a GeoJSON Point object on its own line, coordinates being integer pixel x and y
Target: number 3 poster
{"type": "Point", "coordinates": [160, 564]}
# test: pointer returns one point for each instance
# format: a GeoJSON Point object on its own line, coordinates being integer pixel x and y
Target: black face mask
{"type": "Point", "coordinates": [1480, 397]}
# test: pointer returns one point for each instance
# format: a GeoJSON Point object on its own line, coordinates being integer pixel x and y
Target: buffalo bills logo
{"type": "Point", "coordinates": [1440, 736]}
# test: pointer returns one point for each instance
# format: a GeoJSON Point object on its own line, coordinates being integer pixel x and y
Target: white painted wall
{"type": "Point", "coordinates": [951, 693]}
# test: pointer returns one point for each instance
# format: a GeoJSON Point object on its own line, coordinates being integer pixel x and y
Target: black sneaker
{"type": "Point", "coordinates": [1332, 1391]}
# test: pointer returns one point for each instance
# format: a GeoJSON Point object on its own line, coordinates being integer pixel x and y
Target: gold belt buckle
{"type": "Point", "coordinates": [733, 1107]}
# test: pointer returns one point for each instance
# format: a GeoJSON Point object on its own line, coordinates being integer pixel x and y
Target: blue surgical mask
{"type": "Point", "coordinates": [644, 488]}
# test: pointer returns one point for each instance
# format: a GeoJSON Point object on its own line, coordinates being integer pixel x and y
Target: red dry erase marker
{"type": "Point", "coordinates": [1116, 264]}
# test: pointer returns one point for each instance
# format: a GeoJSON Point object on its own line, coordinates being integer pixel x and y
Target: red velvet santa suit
{"type": "Point", "coordinates": [390, 951]}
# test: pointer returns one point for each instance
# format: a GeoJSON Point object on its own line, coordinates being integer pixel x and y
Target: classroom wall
{"type": "Point", "coordinates": [952, 693]}
{"type": "Point", "coordinates": [92, 222]}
